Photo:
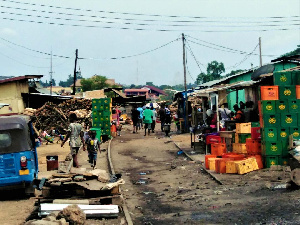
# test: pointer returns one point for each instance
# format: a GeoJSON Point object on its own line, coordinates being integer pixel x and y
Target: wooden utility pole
{"type": "Point", "coordinates": [185, 89]}
{"type": "Point", "coordinates": [260, 58]}
{"type": "Point", "coordinates": [76, 57]}
{"type": "Point", "coordinates": [51, 72]}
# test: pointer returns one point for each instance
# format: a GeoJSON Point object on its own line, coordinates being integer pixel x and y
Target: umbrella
{"type": "Point", "coordinates": [153, 104]}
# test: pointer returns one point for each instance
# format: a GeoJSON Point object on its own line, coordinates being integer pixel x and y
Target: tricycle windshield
{"type": "Point", "coordinates": [5, 140]}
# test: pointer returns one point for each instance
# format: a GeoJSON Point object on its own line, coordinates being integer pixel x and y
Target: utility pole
{"type": "Point", "coordinates": [51, 72]}
{"type": "Point", "coordinates": [185, 89]}
{"type": "Point", "coordinates": [260, 58]}
{"type": "Point", "coordinates": [76, 57]}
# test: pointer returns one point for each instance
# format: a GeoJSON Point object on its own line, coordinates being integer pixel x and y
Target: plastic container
{"type": "Point", "coordinates": [294, 105]}
{"type": "Point", "coordinates": [218, 149]}
{"type": "Point", "coordinates": [269, 92]}
{"type": "Point", "coordinates": [298, 91]}
{"type": "Point", "coordinates": [243, 128]}
{"type": "Point", "coordinates": [268, 106]}
{"type": "Point", "coordinates": [271, 148]}
{"type": "Point", "coordinates": [211, 139]}
{"type": "Point", "coordinates": [289, 120]}
{"type": "Point", "coordinates": [253, 146]}
{"type": "Point", "coordinates": [52, 162]}
{"type": "Point", "coordinates": [271, 120]}
{"type": "Point", "coordinates": [206, 160]}
{"type": "Point", "coordinates": [271, 161]}
{"type": "Point", "coordinates": [281, 106]}
{"type": "Point", "coordinates": [287, 92]}
{"type": "Point", "coordinates": [295, 131]}
{"type": "Point", "coordinates": [270, 134]}
{"type": "Point", "coordinates": [255, 133]}
{"type": "Point", "coordinates": [282, 78]}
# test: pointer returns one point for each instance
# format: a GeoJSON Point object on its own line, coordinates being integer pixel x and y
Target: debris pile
{"type": "Point", "coordinates": [51, 116]}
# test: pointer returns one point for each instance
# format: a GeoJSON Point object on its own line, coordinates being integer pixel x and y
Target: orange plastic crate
{"type": "Point", "coordinates": [269, 93]}
{"type": "Point", "coordinates": [259, 161]}
{"type": "Point", "coordinates": [212, 164]}
{"type": "Point", "coordinates": [218, 149]}
{"type": "Point", "coordinates": [239, 148]}
{"type": "Point", "coordinates": [298, 91]}
{"type": "Point", "coordinates": [221, 164]}
{"type": "Point", "coordinates": [206, 160]}
{"type": "Point", "coordinates": [253, 146]}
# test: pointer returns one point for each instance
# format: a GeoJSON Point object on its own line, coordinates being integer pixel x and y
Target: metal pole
{"type": "Point", "coordinates": [74, 89]}
{"type": "Point", "coordinates": [185, 89]}
{"type": "Point", "coordinates": [51, 74]}
{"type": "Point", "coordinates": [260, 57]}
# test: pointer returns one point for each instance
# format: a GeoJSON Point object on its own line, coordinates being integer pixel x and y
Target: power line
{"type": "Point", "coordinates": [113, 58]}
{"type": "Point", "coordinates": [244, 59]}
{"type": "Point", "coordinates": [140, 29]}
{"type": "Point", "coordinates": [191, 52]}
{"type": "Point", "coordinates": [40, 52]}
{"type": "Point", "coordinates": [143, 53]}
{"type": "Point", "coordinates": [230, 51]}
{"type": "Point", "coordinates": [138, 24]}
{"type": "Point", "coordinates": [130, 13]}
{"type": "Point", "coordinates": [147, 20]}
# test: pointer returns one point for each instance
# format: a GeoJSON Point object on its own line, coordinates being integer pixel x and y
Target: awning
{"type": "Point", "coordinates": [236, 85]}
{"type": "Point", "coordinates": [119, 93]}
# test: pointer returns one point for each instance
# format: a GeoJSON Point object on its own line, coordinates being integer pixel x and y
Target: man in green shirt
{"type": "Point", "coordinates": [147, 116]}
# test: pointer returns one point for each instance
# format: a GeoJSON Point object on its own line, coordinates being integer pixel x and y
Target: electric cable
{"type": "Point", "coordinates": [242, 52]}
{"type": "Point", "coordinates": [192, 53]}
{"type": "Point", "coordinates": [142, 29]}
{"type": "Point", "coordinates": [145, 20]}
{"type": "Point", "coordinates": [243, 60]}
{"type": "Point", "coordinates": [129, 13]}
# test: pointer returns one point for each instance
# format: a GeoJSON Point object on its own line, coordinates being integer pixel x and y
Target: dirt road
{"type": "Point", "coordinates": [164, 188]}
{"type": "Point", "coordinates": [15, 207]}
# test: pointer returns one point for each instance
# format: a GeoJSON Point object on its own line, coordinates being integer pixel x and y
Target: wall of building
{"type": "Point", "coordinates": [11, 94]}
{"type": "Point", "coordinates": [231, 97]}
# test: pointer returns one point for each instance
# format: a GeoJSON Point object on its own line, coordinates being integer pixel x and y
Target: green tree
{"type": "Point", "coordinates": [202, 78]}
{"type": "Point", "coordinates": [70, 80]}
{"type": "Point", "coordinates": [168, 97]}
{"type": "Point", "coordinates": [94, 83]}
{"type": "Point", "coordinates": [215, 69]}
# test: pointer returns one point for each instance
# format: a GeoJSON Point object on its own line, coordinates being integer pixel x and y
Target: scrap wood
{"type": "Point", "coordinates": [59, 180]}
{"type": "Point", "coordinates": [62, 175]}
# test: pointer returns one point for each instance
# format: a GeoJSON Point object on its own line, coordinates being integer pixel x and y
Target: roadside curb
{"type": "Point", "coordinates": [112, 170]}
{"type": "Point", "coordinates": [203, 167]}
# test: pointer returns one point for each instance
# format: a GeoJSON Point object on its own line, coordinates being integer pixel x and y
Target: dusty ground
{"type": "Point", "coordinates": [175, 190]}
{"type": "Point", "coordinates": [165, 188]}
{"type": "Point", "coordinates": [14, 206]}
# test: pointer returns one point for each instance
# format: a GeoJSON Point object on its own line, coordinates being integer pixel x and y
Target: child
{"type": "Point", "coordinates": [93, 145]}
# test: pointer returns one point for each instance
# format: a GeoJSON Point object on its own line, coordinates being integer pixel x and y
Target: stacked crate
{"type": "Point", "coordinates": [243, 131]}
{"type": "Point", "coordinates": [101, 114]}
{"type": "Point", "coordinates": [279, 116]}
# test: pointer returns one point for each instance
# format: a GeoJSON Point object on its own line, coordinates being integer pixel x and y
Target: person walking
{"type": "Point", "coordinates": [147, 119]}
{"type": "Point", "coordinates": [93, 146]}
{"type": "Point", "coordinates": [75, 133]}
{"type": "Point", "coordinates": [162, 117]}
{"type": "Point", "coordinates": [154, 116]}
{"type": "Point", "coordinates": [135, 114]}
{"type": "Point", "coordinates": [140, 121]}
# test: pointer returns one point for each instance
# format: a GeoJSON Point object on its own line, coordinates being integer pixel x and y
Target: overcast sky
{"type": "Point", "coordinates": [225, 31]}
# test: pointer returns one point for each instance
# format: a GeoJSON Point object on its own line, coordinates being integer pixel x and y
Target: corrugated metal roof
{"type": "Point", "coordinates": [224, 87]}
{"type": "Point", "coordinates": [25, 77]}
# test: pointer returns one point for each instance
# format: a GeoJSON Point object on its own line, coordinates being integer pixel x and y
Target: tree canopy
{"type": "Point", "coordinates": [214, 71]}
{"type": "Point", "coordinates": [94, 83]}
{"type": "Point", "coordinates": [70, 80]}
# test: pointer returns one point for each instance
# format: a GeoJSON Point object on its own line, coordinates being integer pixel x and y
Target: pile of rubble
{"type": "Point", "coordinates": [51, 116]}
